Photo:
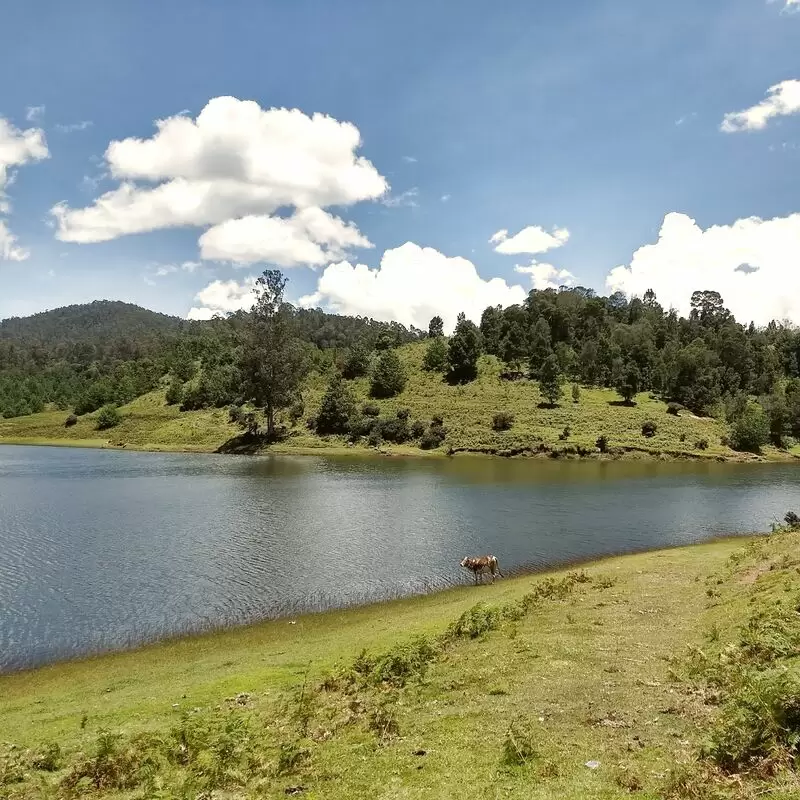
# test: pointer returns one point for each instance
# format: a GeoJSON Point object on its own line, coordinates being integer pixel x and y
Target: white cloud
{"type": "Point", "coordinates": [407, 198]}
{"type": "Point", "coordinates": [752, 263]}
{"type": "Point", "coordinates": [411, 285]}
{"type": "Point", "coordinates": [17, 148]}
{"type": "Point", "coordinates": [74, 126]}
{"type": "Point", "coordinates": [234, 161]}
{"type": "Point", "coordinates": [790, 6]}
{"type": "Point", "coordinates": [546, 276]}
{"type": "Point", "coordinates": [445, 198]}
{"type": "Point", "coordinates": [223, 297]}
{"type": "Point", "coordinates": [410, 159]}
{"type": "Point", "coordinates": [164, 270]}
{"type": "Point", "coordinates": [9, 249]}
{"type": "Point", "coordinates": [311, 236]}
{"type": "Point", "coordinates": [34, 113]}
{"type": "Point", "coordinates": [782, 100]}
{"type": "Point", "coordinates": [533, 239]}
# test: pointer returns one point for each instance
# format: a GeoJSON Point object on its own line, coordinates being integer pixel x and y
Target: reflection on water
{"type": "Point", "coordinates": [102, 549]}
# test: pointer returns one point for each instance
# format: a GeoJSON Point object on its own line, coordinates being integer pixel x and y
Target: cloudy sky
{"type": "Point", "coordinates": [399, 159]}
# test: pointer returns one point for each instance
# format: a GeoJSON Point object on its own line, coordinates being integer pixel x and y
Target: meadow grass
{"type": "Point", "coordinates": [504, 690]}
{"type": "Point", "coordinates": [149, 424]}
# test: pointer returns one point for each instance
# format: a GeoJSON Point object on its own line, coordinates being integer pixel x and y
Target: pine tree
{"type": "Point", "coordinates": [338, 406]}
{"type": "Point", "coordinates": [541, 348]}
{"type": "Point", "coordinates": [388, 375]}
{"type": "Point", "coordinates": [464, 351]}
{"type": "Point", "coordinates": [550, 380]}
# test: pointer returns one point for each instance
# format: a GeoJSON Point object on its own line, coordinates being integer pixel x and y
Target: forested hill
{"type": "Point", "coordinates": [83, 357]}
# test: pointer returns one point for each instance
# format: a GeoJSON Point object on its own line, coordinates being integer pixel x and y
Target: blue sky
{"type": "Point", "coordinates": [596, 118]}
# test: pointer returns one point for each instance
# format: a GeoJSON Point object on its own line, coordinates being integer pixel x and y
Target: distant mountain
{"type": "Point", "coordinates": [100, 321]}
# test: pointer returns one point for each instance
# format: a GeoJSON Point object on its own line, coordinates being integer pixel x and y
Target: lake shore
{"type": "Point", "coordinates": [588, 668]}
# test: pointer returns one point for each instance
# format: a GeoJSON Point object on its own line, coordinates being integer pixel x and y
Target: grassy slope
{"type": "Point", "coordinates": [467, 410]}
{"type": "Point", "coordinates": [589, 674]}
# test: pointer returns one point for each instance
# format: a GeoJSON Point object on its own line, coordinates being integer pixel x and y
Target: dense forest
{"type": "Point", "coordinates": [82, 358]}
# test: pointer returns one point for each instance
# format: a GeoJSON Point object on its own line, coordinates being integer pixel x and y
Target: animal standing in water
{"type": "Point", "coordinates": [482, 565]}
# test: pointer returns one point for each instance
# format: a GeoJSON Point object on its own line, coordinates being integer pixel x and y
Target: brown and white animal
{"type": "Point", "coordinates": [482, 565]}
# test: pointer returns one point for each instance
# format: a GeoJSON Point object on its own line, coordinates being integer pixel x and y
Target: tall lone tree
{"type": "Point", "coordinates": [550, 379]}
{"type": "Point", "coordinates": [388, 375]}
{"type": "Point", "coordinates": [336, 409]}
{"type": "Point", "coordinates": [272, 361]}
{"type": "Point", "coordinates": [541, 347]}
{"type": "Point", "coordinates": [436, 327]}
{"type": "Point", "coordinates": [464, 351]}
{"type": "Point", "coordinates": [628, 382]}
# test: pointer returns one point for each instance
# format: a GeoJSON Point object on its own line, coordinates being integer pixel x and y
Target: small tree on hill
{"type": "Point", "coordinates": [435, 358]}
{"type": "Point", "coordinates": [751, 431]}
{"type": "Point", "coordinates": [357, 362]}
{"type": "Point", "coordinates": [550, 380]}
{"type": "Point", "coordinates": [628, 381]}
{"type": "Point", "coordinates": [337, 407]}
{"type": "Point", "coordinates": [108, 417]}
{"type": "Point", "coordinates": [174, 396]}
{"type": "Point", "coordinates": [388, 375]}
{"type": "Point", "coordinates": [576, 393]}
{"type": "Point", "coordinates": [436, 327]}
{"type": "Point", "coordinates": [464, 351]}
{"type": "Point", "coordinates": [541, 348]}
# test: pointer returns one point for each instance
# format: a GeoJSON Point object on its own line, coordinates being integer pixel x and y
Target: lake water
{"type": "Point", "coordinates": [103, 549]}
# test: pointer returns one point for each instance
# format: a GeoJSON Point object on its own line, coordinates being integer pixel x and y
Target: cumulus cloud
{"type": "Point", "coordinates": [546, 276]}
{"type": "Point", "coordinates": [752, 263]}
{"type": "Point", "coordinates": [17, 147]}
{"type": "Point", "coordinates": [407, 198]}
{"type": "Point", "coordinates": [223, 297]}
{"type": "Point", "coordinates": [411, 285]}
{"type": "Point", "coordinates": [311, 236]}
{"type": "Point", "coordinates": [533, 239]}
{"type": "Point", "coordinates": [235, 162]}
{"type": "Point", "coordinates": [782, 100]}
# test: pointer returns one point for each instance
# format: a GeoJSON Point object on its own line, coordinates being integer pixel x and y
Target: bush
{"type": "Point", "coordinates": [576, 393]}
{"type": "Point", "coordinates": [389, 376]}
{"type": "Point", "coordinates": [649, 429]}
{"type": "Point", "coordinates": [701, 444]}
{"type": "Point", "coordinates": [403, 413]}
{"type": "Point", "coordinates": [336, 409]}
{"type": "Point", "coordinates": [434, 437]}
{"type": "Point", "coordinates": [437, 419]}
{"type": "Point", "coordinates": [602, 443]}
{"type": "Point", "coordinates": [502, 421]}
{"type": "Point", "coordinates": [518, 745]}
{"type": "Point", "coordinates": [174, 395]}
{"type": "Point", "coordinates": [374, 438]}
{"type": "Point", "coordinates": [674, 409]}
{"type": "Point", "coordinates": [435, 358]}
{"type": "Point", "coordinates": [48, 759]}
{"type": "Point", "coordinates": [108, 417]}
{"type": "Point", "coordinates": [362, 426]}
{"type": "Point", "coordinates": [371, 410]}
{"type": "Point", "coordinates": [357, 363]}
{"type": "Point", "coordinates": [394, 430]}
{"type": "Point", "coordinates": [70, 421]}
{"type": "Point", "coordinates": [792, 519]}
{"type": "Point", "coordinates": [417, 429]}
{"type": "Point", "coordinates": [565, 434]}
{"type": "Point", "coordinates": [751, 431]}
{"type": "Point", "coordinates": [296, 411]}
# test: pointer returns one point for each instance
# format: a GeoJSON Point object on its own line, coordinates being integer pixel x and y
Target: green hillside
{"type": "Point", "coordinates": [671, 674]}
{"type": "Point", "coordinates": [467, 410]}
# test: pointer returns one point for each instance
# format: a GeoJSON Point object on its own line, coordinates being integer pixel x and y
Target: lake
{"type": "Point", "coordinates": [104, 549]}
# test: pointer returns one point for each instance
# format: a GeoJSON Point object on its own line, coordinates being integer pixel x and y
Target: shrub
{"type": "Point", "coordinates": [174, 395]}
{"type": "Point", "coordinates": [437, 419]}
{"type": "Point", "coordinates": [565, 434]}
{"type": "Point", "coordinates": [108, 417]}
{"type": "Point", "coordinates": [389, 376]}
{"type": "Point", "coordinates": [751, 431]}
{"type": "Point", "coordinates": [682, 437]}
{"type": "Point", "coordinates": [371, 410]}
{"type": "Point", "coordinates": [649, 429]}
{"type": "Point", "coordinates": [296, 411]}
{"type": "Point", "coordinates": [518, 745]}
{"type": "Point", "coordinates": [403, 413]}
{"type": "Point", "coordinates": [475, 621]}
{"type": "Point", "coordinates": [48, 759]}
{"type": "Point", "coordinates": [374, 438]}
{"type": "Point", "coordinates": [70, 421]}
{"type": "Point", "coordinates": [417, 429]}
{"type": "Point", "coordinates": [502, 421]}
{"type": "Point", "coordinates": [394, 430]}
{"type": "Point", "coordinates": [674, 409]}
{"type": "Point", "coordinates": [362, 426]}
{"type": "Point", "coordinates": [792, 519]}
{"type": "Point", "coordinates": [701, 444]}
{"type": "Point", "coordinates": [602, 443]}
{"type": "Point", "coordinates": [576, 393]}
{"type": "Point", "coordinates": [432, 438]}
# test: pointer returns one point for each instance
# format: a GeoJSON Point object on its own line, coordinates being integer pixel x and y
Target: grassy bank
{"type": "Point", "coordinates": [507, 690]}
{"type": "Point", "coordinates": [149, 424]}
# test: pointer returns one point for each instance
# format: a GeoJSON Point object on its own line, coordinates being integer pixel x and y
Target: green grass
{"type": "Point", "coordinates": [593, 670]}
{"type": "Point", "coordinates": [467, 410]}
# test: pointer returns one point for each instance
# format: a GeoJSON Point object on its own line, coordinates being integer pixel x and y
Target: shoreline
{"type": "Point", "coordinates": [537, 451]}
{"type": "Point", "coordinates": [196, 636]}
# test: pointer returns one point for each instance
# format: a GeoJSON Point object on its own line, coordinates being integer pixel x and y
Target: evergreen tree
{"type": "Point", "coordinates": [514, 344]}
{"type": "Point", "coordinates": [436, 327]}
{"type": "Point", "coordinates": [357, 362]}
{"type": "Point", "coordinates": [541, 348]}
{"type": "Point", "coordinates": [463, 351]}
{"type": "Point", "coordinates": [628, 382]}
{"type": "Point", "coordinates": [550, 380]}
{"type": "Point", "coordinates": [336, 409]}
{"type": "Point", "coordinates": [388, 375]}
{"type": "Point", "coordinates": [435, 358]}
{"type": "Point", "coordinates": [492, 330]}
